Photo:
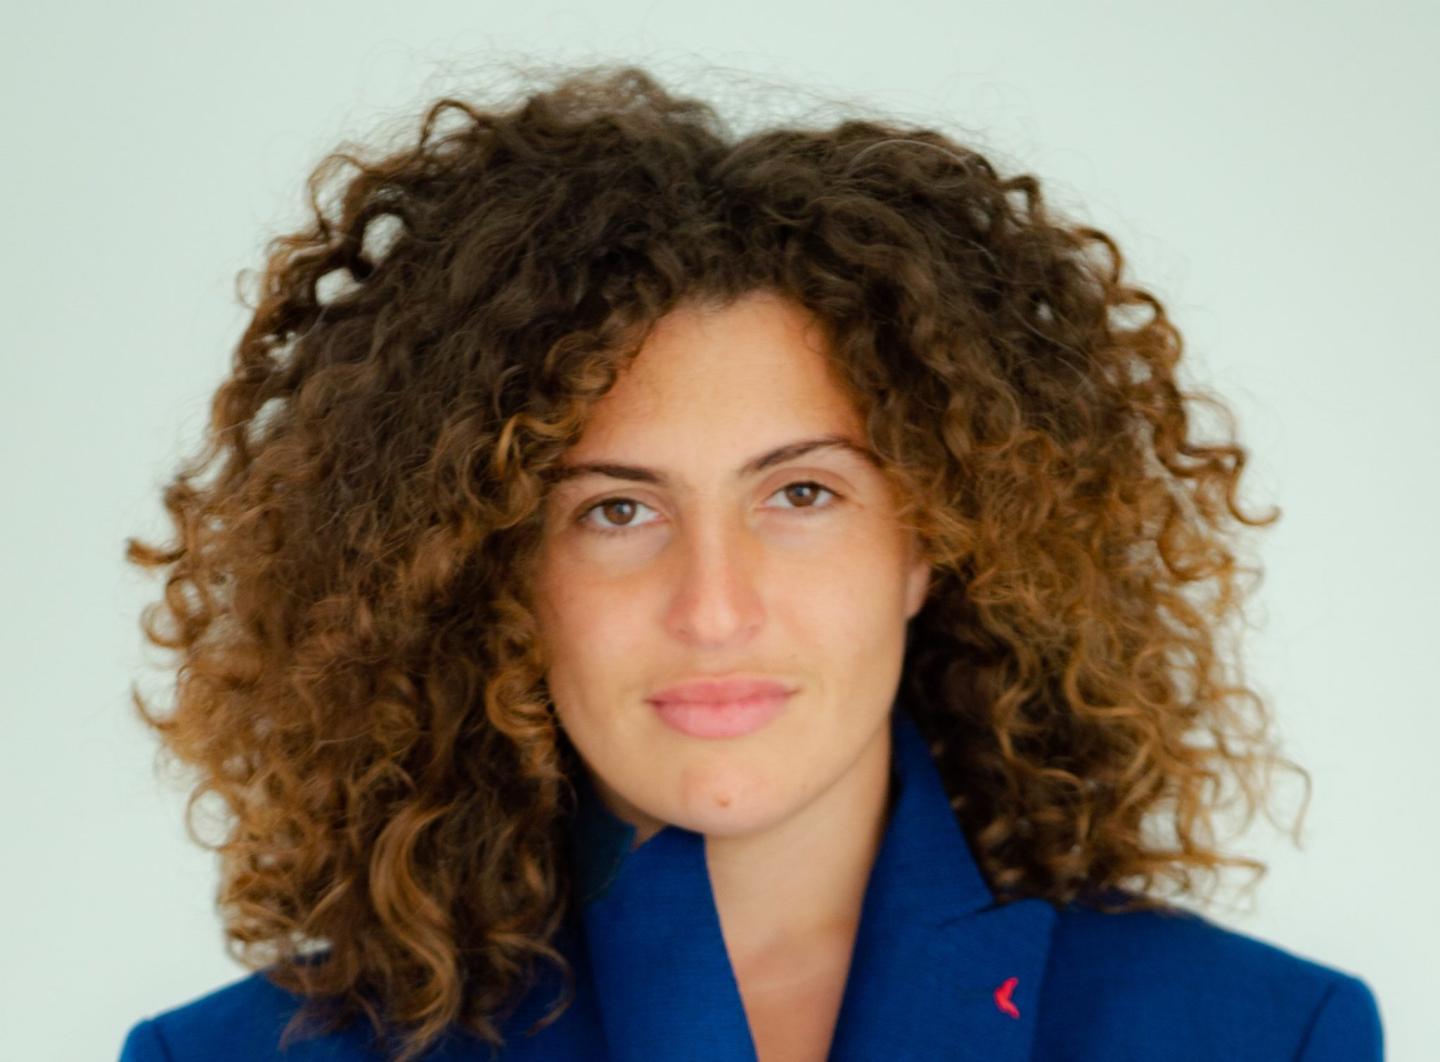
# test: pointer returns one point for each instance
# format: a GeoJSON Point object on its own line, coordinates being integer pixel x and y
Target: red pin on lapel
{"type": "Point", "coordinates": [1002, 997]}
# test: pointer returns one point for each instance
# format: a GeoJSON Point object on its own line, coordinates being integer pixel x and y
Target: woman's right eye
{"type": "Point", "coordinates": [584, 521]}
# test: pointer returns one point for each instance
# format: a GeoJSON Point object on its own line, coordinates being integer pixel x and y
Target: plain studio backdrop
{"type": "Point", "coordinates": [1268, 170]}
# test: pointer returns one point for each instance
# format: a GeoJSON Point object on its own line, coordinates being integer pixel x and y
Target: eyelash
{"type": "Point", "coordinates": [581, 520]}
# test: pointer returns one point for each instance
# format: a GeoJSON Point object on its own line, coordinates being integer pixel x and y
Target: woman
{"type": "Point", "coordinates": [686, 596]}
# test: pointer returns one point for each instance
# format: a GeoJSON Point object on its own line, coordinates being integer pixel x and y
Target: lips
{"type": "Point", "coordinates": [720, 691]}
{"type": "Point", "coordinates": [722, 718]}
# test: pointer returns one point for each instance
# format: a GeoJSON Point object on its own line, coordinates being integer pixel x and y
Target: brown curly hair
{"type": "Point", "coordinates": [359, 679]}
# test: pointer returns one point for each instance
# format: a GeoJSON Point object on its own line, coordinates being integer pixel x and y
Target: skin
{"type": "Point", "coordinates": [713, 573]}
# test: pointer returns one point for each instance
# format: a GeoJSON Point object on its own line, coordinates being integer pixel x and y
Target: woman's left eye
{"type": "Point", "coordinates": [584, 518]}
{"type": "Point", "coordinates": [807, 483]}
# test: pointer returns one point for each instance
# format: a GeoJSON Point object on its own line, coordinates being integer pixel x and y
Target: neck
{"type": "Point", "coordinates": [790, 899]}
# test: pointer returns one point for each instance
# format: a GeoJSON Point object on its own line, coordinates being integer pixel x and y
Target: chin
{"type": "Point", "coordinates": [731, 798]}
{"type": "Point", "coordinates": [735, 822]}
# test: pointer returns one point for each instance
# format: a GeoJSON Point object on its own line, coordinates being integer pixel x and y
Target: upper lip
{"type": "Point", "coordinates": [717, 690]}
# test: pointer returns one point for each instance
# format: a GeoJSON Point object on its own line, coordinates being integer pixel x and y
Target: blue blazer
{"type": "Point", "coordinates": [939, 970]}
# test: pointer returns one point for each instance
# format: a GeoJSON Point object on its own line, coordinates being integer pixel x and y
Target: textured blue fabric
{"type": "Point", "coordinates": [933, 956]}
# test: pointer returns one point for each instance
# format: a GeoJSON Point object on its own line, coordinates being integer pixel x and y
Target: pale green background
{"type": "Point", "coordinates": [1269, 170]}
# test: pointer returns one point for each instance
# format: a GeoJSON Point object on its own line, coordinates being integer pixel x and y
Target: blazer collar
{"type": "Point", "coordinates": [939, 970]}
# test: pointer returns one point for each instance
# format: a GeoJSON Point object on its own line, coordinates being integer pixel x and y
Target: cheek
{"type": "Point", "coordinates": [591, 628]}
{"type": "Point", "coordinates": [864, 563]}
{"type": "Point", "coordinates": [854, 586]}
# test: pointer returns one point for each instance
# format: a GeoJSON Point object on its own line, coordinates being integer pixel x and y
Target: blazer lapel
{"type": "Point", "coordinates": [659, 969]}
{"type": "Point", "coordinates": [939, 971]}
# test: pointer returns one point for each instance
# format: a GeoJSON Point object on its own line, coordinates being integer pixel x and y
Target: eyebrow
{"type": "Point", "coordinates": [759, 463]}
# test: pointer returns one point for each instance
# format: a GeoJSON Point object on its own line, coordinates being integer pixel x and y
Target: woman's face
{"type": "Point", "coordinates": [709, 570]}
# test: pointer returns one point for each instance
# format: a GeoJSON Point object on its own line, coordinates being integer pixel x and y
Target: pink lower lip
{"type": "Point", "coordinates": [721, 718]}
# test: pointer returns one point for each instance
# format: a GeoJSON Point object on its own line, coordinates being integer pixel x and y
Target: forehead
{"type": "Point", "coordinates": [726, 379]}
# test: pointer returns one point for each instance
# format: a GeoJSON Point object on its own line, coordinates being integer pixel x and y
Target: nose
{"type": "Point", "coordinates": [716, 600]}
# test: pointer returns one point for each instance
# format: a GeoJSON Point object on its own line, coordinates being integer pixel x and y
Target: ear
{"type": "Point", "coordinates": [917, 581]}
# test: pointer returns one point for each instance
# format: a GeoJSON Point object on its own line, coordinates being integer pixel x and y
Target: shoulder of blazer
{"type": "Point", "coordinates": [1175, 984]}
{"type": "Point", "coordinates": [240, 1020]}
{"type": "Point", "coordinates": [243, 1020]}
